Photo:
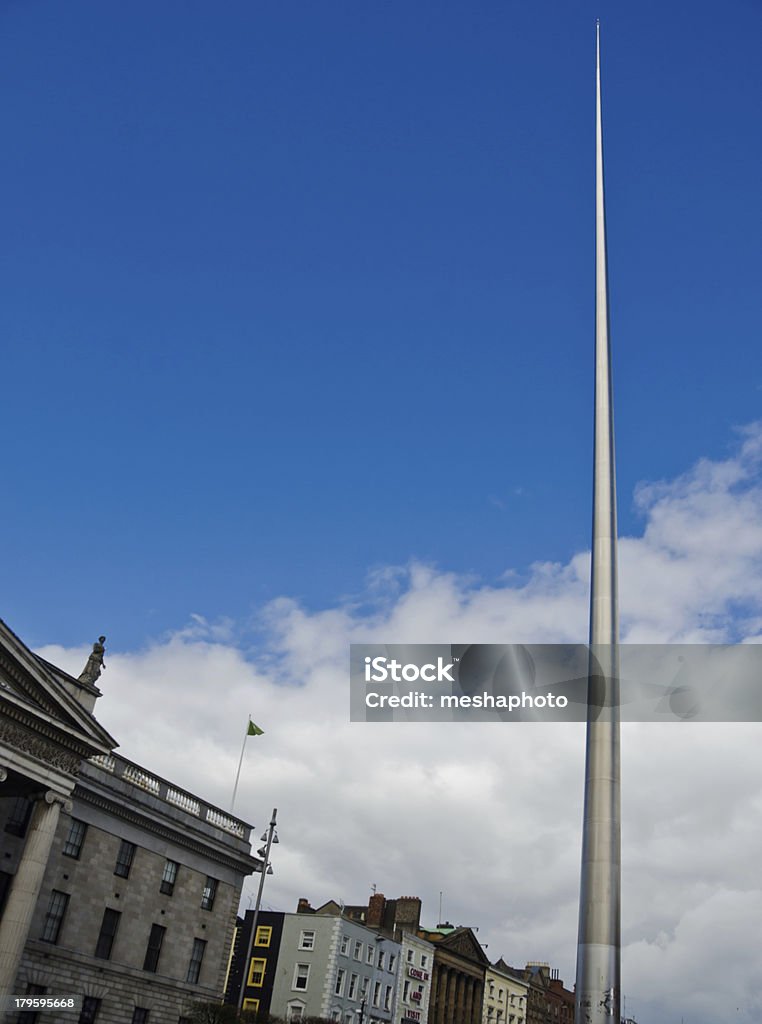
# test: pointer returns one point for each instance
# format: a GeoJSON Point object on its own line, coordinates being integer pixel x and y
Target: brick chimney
{"type": "Point", "coordinates": [304, 907]}
{"type": "Point", "coordinates": [376, 905]}
{"type": "Point", "coordinates": [408, 913]}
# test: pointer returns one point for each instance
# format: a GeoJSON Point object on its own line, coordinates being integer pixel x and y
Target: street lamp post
{"type": "Point", "coordinates": [271, 837]}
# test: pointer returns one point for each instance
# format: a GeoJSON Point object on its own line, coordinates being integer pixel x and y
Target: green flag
{"type": "Point", "coordinates": [254, 730]}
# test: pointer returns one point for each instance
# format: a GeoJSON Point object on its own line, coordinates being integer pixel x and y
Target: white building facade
{"type": "Point", "coordinates": [414, 980]}
{"type": "Point", "coordinates": [505, 997]}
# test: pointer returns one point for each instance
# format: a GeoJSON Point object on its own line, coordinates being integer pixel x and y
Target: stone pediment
{"type": "Point", "coordinates": [463, 942]}
{"type": "Point", "coordinates": [39, 715]}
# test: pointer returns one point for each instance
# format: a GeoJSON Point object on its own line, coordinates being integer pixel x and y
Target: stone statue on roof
{"type": "Point", "coordinates": [95, 663]}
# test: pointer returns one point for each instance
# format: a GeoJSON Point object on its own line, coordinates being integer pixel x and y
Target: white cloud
{"type": "Point", "coordinates": [490, 815]}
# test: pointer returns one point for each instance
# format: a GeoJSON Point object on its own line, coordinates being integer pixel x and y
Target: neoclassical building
{"type": "Point", "coordinates": [116, 886]}
{"type": "Point", "coordinates": [457, 985]}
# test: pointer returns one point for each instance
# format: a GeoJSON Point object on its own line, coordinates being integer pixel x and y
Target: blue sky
{"type": "Point", "coordinates": [293, 291]}
{"type": "Point", "coordinates": [297, 291]}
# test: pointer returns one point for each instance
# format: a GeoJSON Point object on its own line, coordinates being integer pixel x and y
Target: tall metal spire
{"type": "Point", "coordinates": [598, 949]}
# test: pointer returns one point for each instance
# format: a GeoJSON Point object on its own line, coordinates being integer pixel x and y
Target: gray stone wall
{"type": "Point", "coordinates": [69, 967]}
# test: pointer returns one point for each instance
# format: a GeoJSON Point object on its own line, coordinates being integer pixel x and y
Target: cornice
{"type": "Point", "coordinates": [21, 679]}
{"type": "Point", "coordinates": [169, 832]}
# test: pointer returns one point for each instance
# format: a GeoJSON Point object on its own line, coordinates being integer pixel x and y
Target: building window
{"type": "Point", "coordinates": [406, 990]}
{"type": "Point", "coordinates": [358, 951]}
{"type": "Point", "coordinates": [369, 957]}
{"type": "Point", "coordinates": [257, 973]}
{"type": "Point", "coordinates": [90, 1007]}
{"type": "Point", "coordinates": [307, 940]}
{"type": "Point", "coordinates": [377, 993]}
{"type": "Point", "coordinates": [124, 859]}
{"type": "Point", "coordinates": [364, 988]}
{"type": "Point", "coordinates": [31, 1017]}
{"type": "Point", "coordinates": [381, 957]}
{"type": "Point", "coordinates": [210, 891]}
{"type": "Point", "coordinates": [352, 993]}
{"type": "Point", "coordinates": [251, 1004]}
{"type": "Point", "coordinates": [153, 950]}
{"type": "Point", "coordinates": [410, 956]}
{"type": "Point", "coordinates": [18, 819]}
{"type": "Point", "coordinates": [107, 935]}
{"type": "Point", "coordinates": [263, 936]}
{"type": "Point", "coordinates": [392, 961]}
{"type": "Point", "coordinates": [5, 885]}
{"type": "Point", "coordinates": [169, 877]}
{"type": "Point", "coordinates": [388, 998]}
{"type": "Point", "coordinates": [349, 1018]}
{"type": "Point", "coordinates": [140, 1015]}
{"type": "Point", "coordinates": [344, 945]}
{"type": "Point", "coordinates": [301, 977]}
{"type": "Point", "coordinates": [59, 901]}
{"type": "Point", "coordinates": [194, 967]}
{"type": "Point", "coordinates": [340, 975]}
{"type": "Point", "coordinates": [72, 847]}
{"type": "Point", "coordinates": [424, 960]}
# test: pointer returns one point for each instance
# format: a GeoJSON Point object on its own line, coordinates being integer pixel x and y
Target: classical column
{"type": "Point", "coordinates": [469, 1000]}
{"type": "Point", "coordinates": [446, 994]}
{"type": "Point", "coordinates": [457, 1013]}
{"type": "Point", "coordinates": [439, 981]}
{"type": "Point", "coordinates": [479, 1000]}
{"type": "Point", "coordinates": [26, 885]}
{"type": "Point", "coordinates": [454, 991]}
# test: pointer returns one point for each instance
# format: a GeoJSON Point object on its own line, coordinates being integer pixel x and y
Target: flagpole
{"type": "Point", "coordinates": [240, 762]}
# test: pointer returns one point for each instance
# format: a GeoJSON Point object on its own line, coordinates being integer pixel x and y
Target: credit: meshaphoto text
{"type": "Point", "coordinates": [420, 699]}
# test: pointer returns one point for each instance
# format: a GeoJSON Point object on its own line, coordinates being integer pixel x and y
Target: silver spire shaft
{"type": "Point", "coordinates": [598, 949]}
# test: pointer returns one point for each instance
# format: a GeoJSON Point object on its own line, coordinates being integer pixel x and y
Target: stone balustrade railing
{"type": "Point", "coordinates": [120, 768]}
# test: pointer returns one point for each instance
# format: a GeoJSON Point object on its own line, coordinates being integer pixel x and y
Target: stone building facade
{"type": "Point", "coordinates": [116, 886]}
{"type": "Point", "coordinates": [457, 987]}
